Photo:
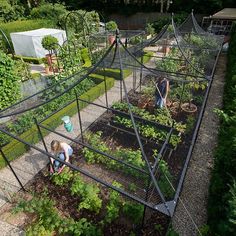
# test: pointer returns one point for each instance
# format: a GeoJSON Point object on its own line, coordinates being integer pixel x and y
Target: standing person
{"type": "Point", "coordinates": [161, 92]}
{"type": "Point", "coordinates": [61, 150]}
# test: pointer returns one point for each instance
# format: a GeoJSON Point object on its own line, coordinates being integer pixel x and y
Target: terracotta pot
{"type": "Point", "coordinates": [174, 108]}
{"type": "Point", "coordinates": [189, 107]}
{"type": "Point", "coordinates": [142, 104]}
{"type": "Point", "coordinates": [151, 106]}
{"type": "Point", "coordinates": [111, 39]}
{"type": "Point", "coordinates": [166, 50]}
{"type": "Point", "coordinates": [47, 70]}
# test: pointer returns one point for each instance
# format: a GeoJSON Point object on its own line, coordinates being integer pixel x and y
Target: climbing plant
{"type": "Point", "coordinates": [9, 82]}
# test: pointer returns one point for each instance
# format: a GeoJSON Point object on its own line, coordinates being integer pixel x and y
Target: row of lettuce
{"type": "Point", "coordinates": [222, 200]}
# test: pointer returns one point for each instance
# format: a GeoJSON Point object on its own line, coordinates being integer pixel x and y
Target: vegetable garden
{"type": "Point", "coordinates": [128, 166]}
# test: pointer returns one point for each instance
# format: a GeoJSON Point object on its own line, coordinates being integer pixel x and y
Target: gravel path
{"type": "Point", "coordinates": [195, 188]}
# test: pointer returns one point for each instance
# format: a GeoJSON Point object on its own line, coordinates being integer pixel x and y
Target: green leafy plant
{"type": "Point", "coordinates": [150, 29]}
{"type": "Point", "coordinates": [114, 204]}
{"type": "Point", "coordinates": [165, 180]}
{"type": "Point", "coordinates": [88, 193]}
{"type": "Point", "coordinates": [49, 220]}
{"type": "Point", "coordinates": [9, 80]}
{"type": "Point", "coordinates": [54, 12]}
{"type": "Point", "coordinates": [49, 42]}
{"type": "Point", "coordinates": [134, 211]}
{"type": "Point", "coordinates": [63, 178]}
{"type": "Point", "coordinates": [127, 155]}
{"type": "Point", "coordinates": [38, 229]}
{"type": "Point", "coordinates": [111, 25]}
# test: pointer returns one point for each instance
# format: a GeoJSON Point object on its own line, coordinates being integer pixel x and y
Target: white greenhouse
{"type": "Point", "coordinates": [28, 43]}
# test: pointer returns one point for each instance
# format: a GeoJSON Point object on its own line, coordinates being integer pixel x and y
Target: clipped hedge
{"type": "Point", "coordinates": [115, 73]}
{"type": "Point", "coordinates": [15, 148]}
{"type": "Point", "coordinates": [222, 192]}
{"type": "Point", "coordinates": [32, 60]}
{"type": "Point", "coordinates": [24, 25]}
{"type": "Point", "coordinates": [86, 58]}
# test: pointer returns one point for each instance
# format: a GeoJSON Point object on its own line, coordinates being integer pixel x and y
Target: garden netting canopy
{"type": "Point", "coordinates": [28, 43]}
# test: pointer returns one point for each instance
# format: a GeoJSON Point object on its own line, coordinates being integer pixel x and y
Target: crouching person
{"type": "Point", "coordinates": [61, 150]}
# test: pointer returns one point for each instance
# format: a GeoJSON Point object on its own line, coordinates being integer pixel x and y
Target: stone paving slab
{"type": "Point", "coordinates": [10, 230]}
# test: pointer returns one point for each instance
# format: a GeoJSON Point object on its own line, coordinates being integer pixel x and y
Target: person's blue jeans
{"type": "Point", "coordinates": [159, 102]}
{"type": "Point", "coordinates": [61, 156]}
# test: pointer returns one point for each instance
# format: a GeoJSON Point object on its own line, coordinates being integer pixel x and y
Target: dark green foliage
{"type": "Point", "coordinates": [114, 204]}
{"type": "Point", "coordinates": [134, 211]}
{"type": "Point", "coordinates": [11, 10]}
{"type": "Point", "coordinates": [25, 25]}
{"type": "Point", "coordinates": [221, 205]}
{"type": "Point", "coordinates": [9, 82]}
{"type": "Point", "coordinates": [49, 219]}
{"type": "Point", "coordinates": [52, 12]}
{"type": "Point", "coordinates": [89, 194]}
{"type": "Point", "coordinates": [111, 26]}
{"type": "Point", "coordinates": [29, 59]}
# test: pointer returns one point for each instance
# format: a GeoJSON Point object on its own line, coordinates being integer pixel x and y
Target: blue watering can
{"type": "Point", "coordinates": [67, 123]}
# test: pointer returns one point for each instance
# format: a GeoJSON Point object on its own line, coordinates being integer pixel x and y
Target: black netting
{"type": "Point", "coordinates": [143, 148]}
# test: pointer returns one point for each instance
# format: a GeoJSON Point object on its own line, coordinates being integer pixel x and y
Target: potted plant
{"type": "Point", "coordinates": [50, 43]}
{"type": "Point", "coordinates": [167, 41]}
{"type": "Point", "coordinates": [189, 107]}
{"type": "Point", "coordinates": [111, 26]}
{"type": "Point", "coordinates": [150, 30]}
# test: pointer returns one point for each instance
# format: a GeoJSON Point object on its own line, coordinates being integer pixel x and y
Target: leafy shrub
{"type": "Point", "coordinates": [53, 12]}
{"type": "Point", "coordinates": [25, 25]}
{"type": "Point", "coordinates": [49, 42]}
{"type": "Point", "coordinates": [150, 29]}
{"type": "Point", "coordinates": [23, 70]}
{"type": "Point", "coordinates": [221, 203]}
{"type": "Point", "coordinates": [114, 204]}
{"type": "Point", "coordinates": [63, 178]}
{"type": "Point", "coordinates": [111, 25]}
{"type": "Point", "coordinates": [134, 211]}
{"type": "Point", "coordinates": [88, 193]}
{"type": "Point", "coordinates": [49, 220]}
{"type": "Point", "coordinates": [11, 11]}
{"type": "Point", "coordinates": [9, 80]}
{"type": "Point", "coordinates": [29, 59]}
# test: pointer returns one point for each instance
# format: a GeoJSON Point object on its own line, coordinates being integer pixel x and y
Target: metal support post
{"type": "Point", "coordinates": [105, 83]}
{"type": "Point", "coordinates": [146, 198]}
{"type": "Point", "coordinates": [14, 173]}
{"type": "Point", "coordinates": [141, 71]}
{"type": "Point", "coordinates": [80, 122]}
{"type": "Point", "coordinates": [44, 144]}
{"type": "Point", "coordinates": [121, 88]}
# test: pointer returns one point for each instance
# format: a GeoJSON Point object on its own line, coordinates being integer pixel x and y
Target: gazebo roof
{"type": "Point", "coordinates": [225, 14]}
